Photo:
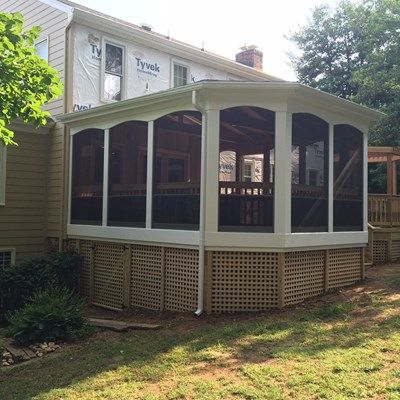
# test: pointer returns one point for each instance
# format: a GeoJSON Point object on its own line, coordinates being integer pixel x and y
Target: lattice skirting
{"type": "Point", "coordinates": [162, 278]}
{"type": "Point", "coordinates": [386, 246]}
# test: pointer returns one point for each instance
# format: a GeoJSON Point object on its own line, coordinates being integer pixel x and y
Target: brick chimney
{"type": "Point", "coordinates": [250, 56]}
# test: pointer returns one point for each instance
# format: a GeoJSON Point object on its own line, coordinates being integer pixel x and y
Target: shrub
{"type": "Point", "coordinates": [51, 315]}
{"type": "Point", "coordinates": [19, 282]}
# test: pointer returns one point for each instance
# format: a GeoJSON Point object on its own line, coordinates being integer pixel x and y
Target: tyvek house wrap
{"type": "Point", "coordinates": [145, 70]}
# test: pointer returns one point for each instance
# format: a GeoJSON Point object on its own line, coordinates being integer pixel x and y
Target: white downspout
{"type": "Point", "coordinates": [203, 172]}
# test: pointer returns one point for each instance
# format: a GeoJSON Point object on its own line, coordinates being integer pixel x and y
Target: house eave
{"type": "Point", "coordinates": [21, 126]}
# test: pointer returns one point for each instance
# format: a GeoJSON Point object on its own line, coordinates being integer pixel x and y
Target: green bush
{"type": "Point", "coordinates": [51, 315]}
{"type": "Point", "coordinates": [21, 281]}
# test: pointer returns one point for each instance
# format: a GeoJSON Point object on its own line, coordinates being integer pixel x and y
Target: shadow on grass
{"type": "Point", "coordinates": [148, 356]}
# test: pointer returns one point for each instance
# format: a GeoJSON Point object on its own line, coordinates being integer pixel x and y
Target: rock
{"type": "Point", "coordinates": [57, 346]}
{"type": "Point", "coordinates": [43, 346]}
{"type": "Point", "coordinates": [10, 361]}
{"type": "Point", "coordinates": [51, 344]}
{"type": "Point", "coordinates": [39, 354]}
{"type": "Point", "coordinates": [5, 364]}
{"type": "Point", "coordinates": [6, 354]}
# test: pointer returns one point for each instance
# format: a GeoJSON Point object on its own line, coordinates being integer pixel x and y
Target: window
{"type": "Point", "coordinates": [42, 49]}
{"type": "Point", "coordinates": [309, 173]}
{"type": "Point", "coordinates": [246, 186]}
{"type": "Point", "coordinates": [3, 153]}
{"type": "Point", "coordinates": [127, 170]}
{"type": "Point", "coordinates": [176, 171]}
{"type": "Point", "coordinates": [113, 72]}
{"type": "Point", "coordinates": [7, 258]}
{"type": "Point", "coordinates": [347, 179]}
{"type": "Point", "coordinates": [247, 171]}
{"type": "Point", "coordinates": [87, 177]}
{"type": "Point", "coordinates": [181, 74]}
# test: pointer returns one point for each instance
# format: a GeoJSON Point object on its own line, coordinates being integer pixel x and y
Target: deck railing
{"type": "Point", "coordinates": [383, 210]}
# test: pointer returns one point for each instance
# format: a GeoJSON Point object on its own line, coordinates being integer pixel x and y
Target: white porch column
{"type": "Point", "coordinates": [105, 176]}
{"type": "Point", "coordinates": [283, 178]}
{"type": "Point", "coordinates": [149, 177]}
{"type": "Point", "coordinates": [365, 179]}
{"type": "Point", "coordinates": [330, 178]}
{"type": "Point", "coordinates": [211, 158]}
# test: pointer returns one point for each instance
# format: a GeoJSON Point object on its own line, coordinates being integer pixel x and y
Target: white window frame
{"type": "Point", "coordinates": [12, 250]}
{"type": "Point", "coordinates": [43, 39]}
{"type": "Point", "coordinates": [3, 172]}
{"type": "Point", "coordinates": [181, 64]}
{"type": "Point", "coordinates": [116, 43]}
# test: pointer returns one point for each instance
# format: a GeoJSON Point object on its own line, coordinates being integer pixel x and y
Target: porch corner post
{"type": "Point", "coordinates": [211, 158]}
{"type": "Point", "coordinates": [149, 176]}
{"type": "Point", "coordinates": [283, 180]}
{"type": "Point", "coordinates": [330, 177]}
{"type": "Point", "coordinates": [365, 181]}
{"type": "Point", "coordinates": [105, 177]}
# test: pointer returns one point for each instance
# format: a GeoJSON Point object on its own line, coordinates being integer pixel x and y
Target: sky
{"type": "Point", "coordinates": [222, 26]}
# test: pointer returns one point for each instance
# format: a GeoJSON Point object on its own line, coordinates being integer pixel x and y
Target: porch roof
{"type": "Point", "coordinates": [208, 92]}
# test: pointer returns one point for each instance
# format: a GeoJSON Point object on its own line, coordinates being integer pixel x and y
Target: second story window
{"type": "Point", "coordinates": [113, 72]}
{"type": "Point", "coordinates": [181, 75]}
{"type": "Point", "coordinates": [42, 49]}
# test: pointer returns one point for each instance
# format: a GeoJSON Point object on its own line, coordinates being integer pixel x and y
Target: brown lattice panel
{"type": "Point", "coordinates": [181, 270]}
{"type": "Point", "coordinates": [147, 277]}
{"type": "Point", "coordinates": [344, 267]}
{"type": "Point", "coordinates": [109, 259]}
{"type": "Point", "coordinates": [380, 251]}
{"type": "Point", "coordinates": [52, 245]}
{"type": "Point", "coordinates": [395, 250]}
{"type": "Point", "coordinates": [244, 281]}
{"type": "Point", "coordinates": [304, 273]}
{"type": "Point", "coordinates": [85, 250]}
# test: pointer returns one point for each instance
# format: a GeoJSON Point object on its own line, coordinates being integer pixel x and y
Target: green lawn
{"type": "Point", "coordinates": [343, 346]}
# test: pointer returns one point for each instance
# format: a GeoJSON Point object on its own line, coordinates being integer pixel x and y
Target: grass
{"type": "Point", "coordinates": [348, 348]}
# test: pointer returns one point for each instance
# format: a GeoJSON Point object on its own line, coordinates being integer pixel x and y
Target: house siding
{"type": "Point", "coordinates": [23, 218]}
{"type": "Point", "coordinates": [53, 23]}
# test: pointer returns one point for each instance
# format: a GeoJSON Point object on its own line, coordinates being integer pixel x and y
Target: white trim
{"type": "Point", "coordinates": [116, 43]}
{"type": "Point", "coordinates": [3, 174]}
{"type": "Point", "coordinates": [282, 179]}
{"type": "Point", "coordinates": [149, 178]}
{"type": "Point", "coordinates": [231, 240]}
{"type": "Point", "coordinates": [105, 177]}
{"type": "Point", "coordinates": [12, 250]}
{"type": "Point", "coordinates": [58, 5]}
{"type": "Point", "coordinates": [365, 179]}
{"type": "Point", "coordinates": [71, 147]}
{"type": "Point", "coordinates": [211, 158]}
{"type": "Point", "coordinates": [330, 178]}
{"type": "Point", "coordinates": [166, 236]}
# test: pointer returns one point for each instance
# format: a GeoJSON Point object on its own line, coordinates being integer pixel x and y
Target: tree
{"type": "Point", "coordinates": [353, 51]}
{"type": "Point", "coordinates": [26, 81]}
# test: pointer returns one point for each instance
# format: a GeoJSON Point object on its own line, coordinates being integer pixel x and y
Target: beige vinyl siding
{"type": "Point", "coordinates": [23, 218]}
{"type": "Point", "coordinates": [53, 23]}
{"type": "Point", "coordinates": [55, 181]}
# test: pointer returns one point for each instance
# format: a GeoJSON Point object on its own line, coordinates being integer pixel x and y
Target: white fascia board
{"type": "Point", "coordinates": [290, 92]}
{"type": "Point", "coordinates": [134, 33]}
{"type": "Point", "coordinates": [58, 5]}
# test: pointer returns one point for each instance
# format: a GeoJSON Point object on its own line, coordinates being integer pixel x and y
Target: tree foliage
{"type": "Point", "coordinates": [26, 81]}
{"type": "Point", "coordinates": [353, 51]}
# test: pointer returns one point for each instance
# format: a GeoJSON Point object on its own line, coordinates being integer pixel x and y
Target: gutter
{"type": "Point", "coordinates": [203, 172]}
